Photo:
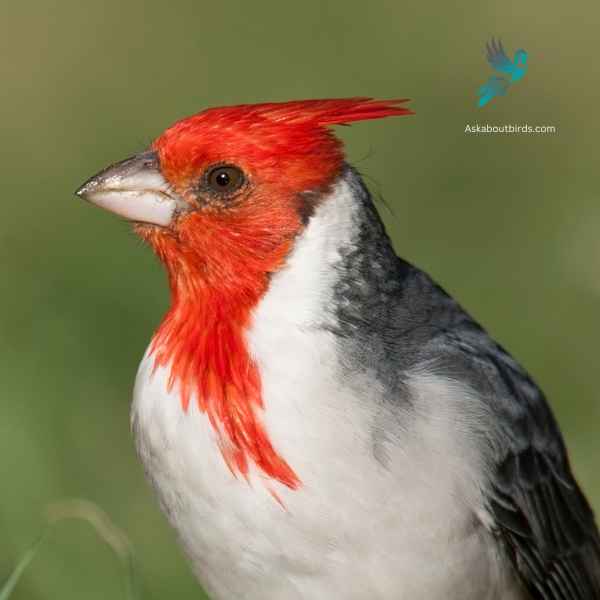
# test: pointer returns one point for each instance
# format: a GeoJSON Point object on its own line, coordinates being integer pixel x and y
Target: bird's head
{"type": "Point", "coordinates": [221, 195]}
{"type": "Point", "coordinates": [521, 58]}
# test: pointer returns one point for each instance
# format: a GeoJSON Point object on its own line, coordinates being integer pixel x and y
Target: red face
{"type": "Point", "coordinates": [249, 183]}
{"type": "Point", "coordinates": [233, 184]}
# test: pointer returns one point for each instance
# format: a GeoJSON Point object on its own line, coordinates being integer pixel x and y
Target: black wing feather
{"type": "Point", "coordinates": [541, 516]}
{"type": "Point", "coordinates": [547, 526]}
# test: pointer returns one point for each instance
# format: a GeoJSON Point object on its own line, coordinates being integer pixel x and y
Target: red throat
{"type": "Point", "coordinates": [219, 258]}
{"type": "Point", "coordinates": [202, 338]}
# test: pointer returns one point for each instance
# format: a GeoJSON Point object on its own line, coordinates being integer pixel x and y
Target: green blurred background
{"type": "Point", "coordinates": [509, 224]}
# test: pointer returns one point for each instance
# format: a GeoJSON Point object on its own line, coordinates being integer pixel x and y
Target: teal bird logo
{"type": "Point", "coordinates": [512, 71]}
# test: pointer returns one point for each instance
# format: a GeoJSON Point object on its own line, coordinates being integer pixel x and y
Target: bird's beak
{"type": "Point", "coordinates": [135, 189]}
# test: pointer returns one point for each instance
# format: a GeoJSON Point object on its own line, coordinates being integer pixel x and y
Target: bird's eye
{"type": "Point", "coordinates": [225, 180]}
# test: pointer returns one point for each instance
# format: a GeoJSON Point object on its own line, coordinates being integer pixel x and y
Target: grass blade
{"type": "Point", "coordinates": [13, 579]}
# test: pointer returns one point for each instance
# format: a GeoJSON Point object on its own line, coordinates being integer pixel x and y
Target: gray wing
{"type": "Point", "coordinates": [540, 515]}
{"type": "Point", "coordinates": [497, 58]}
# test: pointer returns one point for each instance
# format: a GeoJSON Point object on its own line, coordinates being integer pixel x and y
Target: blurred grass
{"type": "Point", "coordinates": [508, 224]}
{"type": "Point", "coordinates": [86, 511]}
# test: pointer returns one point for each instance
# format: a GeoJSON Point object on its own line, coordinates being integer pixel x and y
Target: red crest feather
{"type": "Point", "coordinates": [330, 111]}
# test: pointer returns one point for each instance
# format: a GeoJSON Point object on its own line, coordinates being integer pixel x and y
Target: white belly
{"type": "Point", "coordinates": [355, 530]}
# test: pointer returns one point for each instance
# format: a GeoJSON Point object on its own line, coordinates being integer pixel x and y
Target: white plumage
{"type": "Point", "coordinates": [390, 521]}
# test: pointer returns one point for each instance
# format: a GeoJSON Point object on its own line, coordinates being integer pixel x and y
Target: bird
{"type": "Point", "coordinates": [499, 61]}
{"type": "Point", "coordinates": [319, 418]}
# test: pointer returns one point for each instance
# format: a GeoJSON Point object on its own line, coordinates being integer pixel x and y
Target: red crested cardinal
{"type": "Point", "coordinates": [319, 419]}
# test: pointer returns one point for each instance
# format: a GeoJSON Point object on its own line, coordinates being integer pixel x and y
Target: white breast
{"type": "Point", "coordinates": [357, 529]}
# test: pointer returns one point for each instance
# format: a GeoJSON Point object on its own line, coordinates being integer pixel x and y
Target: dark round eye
{"type": "Point", "coordinates": [225, 179]}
